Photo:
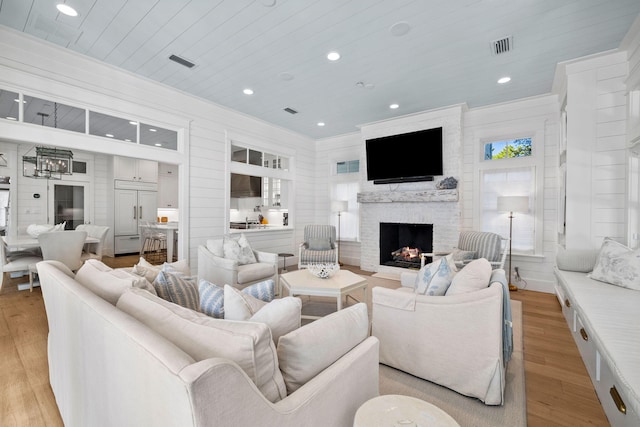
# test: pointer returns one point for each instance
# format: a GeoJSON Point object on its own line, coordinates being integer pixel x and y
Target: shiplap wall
{"type": "Point", "coordinates": [596, 150]}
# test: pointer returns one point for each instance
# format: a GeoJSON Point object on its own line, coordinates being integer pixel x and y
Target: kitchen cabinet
{"type": "Point", "coordinates": [167, 191]}
{"type": "Point", "coordinates": [130, 208]}
{"type": "Point", "coordinates": [129, 169]}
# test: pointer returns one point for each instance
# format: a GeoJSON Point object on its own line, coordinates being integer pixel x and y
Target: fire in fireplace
{"type": "Point", "coordinates": [401, 244]}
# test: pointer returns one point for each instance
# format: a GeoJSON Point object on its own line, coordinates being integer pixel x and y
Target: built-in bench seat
{"type": "Point", "coordinates": [605, 322]}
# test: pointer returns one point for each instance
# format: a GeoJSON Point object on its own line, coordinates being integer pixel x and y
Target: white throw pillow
{"type": "Point", "coordinates": [309, 350]}
{"type": "Point", "coordinates": [107, 283]}
{"type": "Point", "coordinates": [215, 247]}
{"type": "Point", "coordinates": [434, 278]}
{"type": "Point", "coordinates": [474, 276]}
{"type": "Point", "coordinates": [246, 343]}
{"type": "Point", "coordinates": [618, 265]}
{"type": "Point", "coordinates": [281, 315]}
{"type": "Point", "coordinates": [150, 271]}
{"type": "Point", "coordinates": [238, 250]}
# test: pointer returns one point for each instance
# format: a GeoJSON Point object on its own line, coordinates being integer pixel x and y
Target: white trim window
{"type": "Point", "coordinates": [514, 169]}
{"type": "Point", "coordinates": [345, 186]}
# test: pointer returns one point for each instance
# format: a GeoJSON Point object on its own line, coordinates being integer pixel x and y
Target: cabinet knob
{"type": "Point", "coordinates": [618, 400]}
{"type": "Point", "coordinates": [584, 335]}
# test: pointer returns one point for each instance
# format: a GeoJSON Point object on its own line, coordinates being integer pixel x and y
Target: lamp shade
{"type": "Point", "coordinates": [339, 206]}
{"type": "Point", "coordinates": [513, 203]}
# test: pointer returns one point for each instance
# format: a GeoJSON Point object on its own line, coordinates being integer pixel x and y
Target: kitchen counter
{"type": "Point", "coordinates": [262, 227]}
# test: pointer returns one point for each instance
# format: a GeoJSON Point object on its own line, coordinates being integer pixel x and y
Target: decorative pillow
{"type": "Point", "coordinates": [580, 260]}
{"type": "Point", "coordinates": [281, 315]}
{"type": "Point", "coordinates": [474, 276]}
{"type": "Point", "coordinates": [461, 257]}
{"type": "Point", "coordinates": [107, 283]}
{"type": "Point", "coordinates": [34, 230]}
{"type": "Point", "coordinates": [617, 265]}
{"type": "Point", "coordinates": [150, 271]}
{"type": "Point", "coordinates": [239, 250]}
{"type": "Point", "coordinates": [248, 344]}
{"type": "Point", "coordinates": [308, 350]}
{"type": "Point", "coordinates": [319, 244]}
{"type": "Point", "coordinates": [434, 278]}
{"type": "Point", "coordinates": [264, 290]}
{"type": "Point", "coordinates": [211, 299]}
{"type": "Point", "coordinates": [178, 288]}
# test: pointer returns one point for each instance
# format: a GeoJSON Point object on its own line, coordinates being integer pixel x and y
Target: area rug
{"type": "Point", "coordinates": [389, 276]}
{"type": "Point", "coordinates": [469, 412]}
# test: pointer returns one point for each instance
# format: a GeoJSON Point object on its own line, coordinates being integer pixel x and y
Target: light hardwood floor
{"type": "Point", "coordinates": [559, 392]}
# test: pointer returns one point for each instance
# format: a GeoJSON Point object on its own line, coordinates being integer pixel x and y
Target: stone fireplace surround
{"type": "Point", "coordinates": [437, 207]}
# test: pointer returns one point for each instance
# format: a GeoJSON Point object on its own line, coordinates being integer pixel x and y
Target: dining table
{"type": "Point", "coordinates": [25, 241]}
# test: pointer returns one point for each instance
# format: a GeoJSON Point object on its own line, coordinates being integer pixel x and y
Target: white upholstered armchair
{"type": "Point", "coordinates": [215, 268]}
{"type": "Point", "coordinates": [319, 245]}
{"type": "Point", "coordinates": [454, 340]}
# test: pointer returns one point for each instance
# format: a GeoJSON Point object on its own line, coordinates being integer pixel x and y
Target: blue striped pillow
{"type": "Point", "coordinates": [264, 291]}
{"type": "Point", "coordinates": [211, 299]}
{"type": "Point", "coordinates": [177, 288]}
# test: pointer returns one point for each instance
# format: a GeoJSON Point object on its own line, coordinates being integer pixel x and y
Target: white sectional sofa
{"type": "Point", "coordinates": [605, 323]}
{"type": "Point", "coordinates": [110, 368]}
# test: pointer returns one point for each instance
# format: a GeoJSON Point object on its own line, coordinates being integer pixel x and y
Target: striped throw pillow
{"type": "Point", "coordinates": [264, 291]}
{"type": "Point", "coordinates": [211, 299]}
{"type": "Point", "coordinates": [177, 288]}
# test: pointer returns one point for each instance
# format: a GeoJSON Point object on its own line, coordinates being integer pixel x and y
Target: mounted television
{"type": "Point", "coordinates": [407, 157]}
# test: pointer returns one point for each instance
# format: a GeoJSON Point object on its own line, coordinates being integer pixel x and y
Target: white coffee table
{"type": "Point", "coordinates": [343, 282]}
{"type": "Point", "coordinates": [393, 410]}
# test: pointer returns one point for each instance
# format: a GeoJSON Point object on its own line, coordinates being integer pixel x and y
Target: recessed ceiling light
{"type": "Point", "coordinates": [17, 100]}
{"type": "Point", "coordinates": [333, 56]}
{"type": "Point", "coordinates": [157, 144]}
{"type": "Point", "coordinates": [394, 106]}
{"type": "Point", "coordinates": [108, 135]}
{"type": "Point", "coordinates": [11, 118]}
{"type": "Point", "coordinates": [127, 140]}
{"type": "Point", "coordinates": [504, 80]}
{"type": "Point", "coordinates": [247, 91]}
{"type": "Point", "coordinates": [66, 9]}
{"type": "Point", "coordinates": [152, 130]}
{"type": "Point", "coordinates": [400, 28]}
{"type": "Point", "coordinates": [133, 123]}
{"type": "Point", "coordinates": [320, 124]}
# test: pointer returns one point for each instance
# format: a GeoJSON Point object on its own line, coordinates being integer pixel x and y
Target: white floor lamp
{"type": "Point", "coordinates": [339, 206]}
{"type": "Point", "coordinates": [512, 204]}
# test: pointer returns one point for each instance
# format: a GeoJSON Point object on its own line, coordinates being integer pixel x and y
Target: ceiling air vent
{"type": "Point", "coordinates": [501, 46]}
{"type": "Point", "coordinates": [182, 61]}
{"type": "Point", "coordinates": [290, 110]}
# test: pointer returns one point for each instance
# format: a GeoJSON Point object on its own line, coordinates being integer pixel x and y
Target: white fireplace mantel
{"type": "Point", "coordinates": [409, 196]}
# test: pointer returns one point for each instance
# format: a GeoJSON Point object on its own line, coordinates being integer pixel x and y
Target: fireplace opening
{"type": "Point", "coordinates": [401, 244]}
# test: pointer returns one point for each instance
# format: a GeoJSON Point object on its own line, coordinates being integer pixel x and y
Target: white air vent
{"type": "Point", "coordinates": [501, 46]}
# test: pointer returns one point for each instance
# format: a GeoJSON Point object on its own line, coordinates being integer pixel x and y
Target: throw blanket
{"type": "Point", "coordinates": [507, 324]}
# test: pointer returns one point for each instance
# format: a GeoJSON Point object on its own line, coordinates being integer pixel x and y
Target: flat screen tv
{"type": "Point", "coordinates": [407, 157]}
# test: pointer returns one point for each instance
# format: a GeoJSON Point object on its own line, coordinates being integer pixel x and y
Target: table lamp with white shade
{"type": "Point", "coordinates": [512, 204]}
{"type": "Point", "coordinates": [339, 206]}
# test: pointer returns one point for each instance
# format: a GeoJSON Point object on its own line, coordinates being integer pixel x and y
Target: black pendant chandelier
{"type": "Point", "coordinates": [48, 163]}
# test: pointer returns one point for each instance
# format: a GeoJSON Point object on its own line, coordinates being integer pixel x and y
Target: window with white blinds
{"type": "Point", "coordinates": [514, 181]}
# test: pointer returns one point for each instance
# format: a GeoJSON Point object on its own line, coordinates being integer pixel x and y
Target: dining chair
{"type": "Point", "coordinates": [93, 250]}
{"type": "Point", "coordinates": [63, 246]}
{"type": "Point", "coordinates": [15, 261]}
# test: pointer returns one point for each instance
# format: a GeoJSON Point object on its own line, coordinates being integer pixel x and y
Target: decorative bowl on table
{"type": "Point", "coordinates": [323, 270]}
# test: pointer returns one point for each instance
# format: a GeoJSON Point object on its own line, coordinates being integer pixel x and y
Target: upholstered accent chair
{"type": "Point", "coordinates": [490, 246]}
{"type": "Point", "coordinates": [319, 245]}
{"type": "Point", "coordinates": [93, 250]}
{"type": "Point", "coordinates": [215, 268]}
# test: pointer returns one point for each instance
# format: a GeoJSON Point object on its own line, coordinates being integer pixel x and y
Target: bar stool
{"type": "Point", "coordinates": [154, 243]}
